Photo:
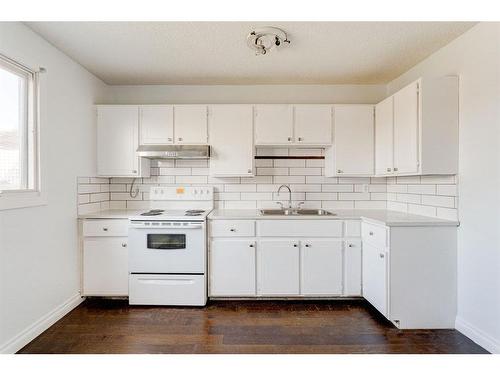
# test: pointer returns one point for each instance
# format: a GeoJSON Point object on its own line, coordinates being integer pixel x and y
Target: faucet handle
{"type": "Point", "coordinates": [300, 205]}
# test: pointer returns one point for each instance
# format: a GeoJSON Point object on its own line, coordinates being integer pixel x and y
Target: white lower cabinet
{"type": "Point", "coordinates": [321, 267]}
{"type": "Point", "coordinates": [278, 267]}
{"type": "Point", "coordinates": [232, 267]}
{"type": "Point", "coordinates": [352, 267]}
{"type": "Point", "coordinates": [105, 266]}
{"type": "Point", "coordinates": [375, 277]}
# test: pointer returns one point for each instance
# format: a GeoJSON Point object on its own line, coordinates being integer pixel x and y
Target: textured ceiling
{"type": "Point", "coordinates": [123, 53]}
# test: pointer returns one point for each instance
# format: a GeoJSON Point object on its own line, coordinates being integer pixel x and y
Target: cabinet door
{"type": "Point", "coordinates": [354, 132]}
{"type": "Point", "coordinates": [232, 268]}
{"type": "Point", "coordinates": [375, 277]}
{"type": "Point", "coordinates": [156, 125]}
{"type": "Point", "coordinates": [231, 138]}
{"type": "Point", "coordinates": [321, 267]}
{"type": "Point", "coordinates": [105, 266]}
{"type": "Point", "coordinates": [352, 270]}
{"type": "Point", "coordinates": [273, 124]}
{"type": "Point", "coordinates": [313, 124]}
{"type": "Point", "coordinates": [406, 126]}
{"type": "Point", "coordinates": [190, 124]}
{"type": "Point", "coordinates": [278, 268]}
{"type": "Point", "coordinates": [384, 147]}
{"type": "Point", "coordinates": [117, 141]}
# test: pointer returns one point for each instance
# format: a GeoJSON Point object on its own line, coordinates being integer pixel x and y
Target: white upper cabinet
{"type": "Point", "coordinates": [190, 124]}
{"type": "Point", "coordinates": [231, 138]}
{"type": "Point", "coordinates": [417, 129]}
{"type": "Point", "coordinates": [353, 152]}
{"type": "Point", "coordinates": [384, 153]}
{"type": "Point", "coordinates": [273, 124]}
{"type": "Point", "coordinates": [156, 124]}
{"type": "Point", "coordinates": [406, 129]}
{"type": "Point", "coordinates": [117, 142]}
{"type": "Point", "coordinates": [313, 124]}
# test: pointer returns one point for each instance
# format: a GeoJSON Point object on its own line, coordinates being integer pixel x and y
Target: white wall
{"type": "Point", "coordinates": [38, 246]}
{"type": "Point", "coordinates": [191, 94]}
{"type": "Point", "coordinates": [475, 57]}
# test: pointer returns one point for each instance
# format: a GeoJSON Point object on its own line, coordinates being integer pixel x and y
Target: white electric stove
{"type": "Point", "coordinates": [167, 248]}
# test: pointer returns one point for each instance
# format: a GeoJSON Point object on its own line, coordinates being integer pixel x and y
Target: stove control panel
{"type": "Point", "coordinates": [183, 193]}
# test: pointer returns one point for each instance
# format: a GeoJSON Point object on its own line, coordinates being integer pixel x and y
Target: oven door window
{"type": "Point", "coordinates": [166, 241]}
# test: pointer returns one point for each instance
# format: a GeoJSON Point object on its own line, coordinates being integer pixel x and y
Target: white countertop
{"type": "Point", "coordinates": [384, 217]}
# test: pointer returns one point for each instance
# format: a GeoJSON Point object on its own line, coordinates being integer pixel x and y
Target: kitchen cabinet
{"type": "Point", "coordinates": [231, 138]}
{"type": "Point", "coordinates": [273, 124]}
{"type": "Point", "coordinates": [117, 142]}
{"type": "Point", "coordinates": [156, 124]}
{"type": "Point", "coordinates": [417, 129]}
{"type": "Point", "coordinates": [313, 124]}
{"type": "Point", "coordinates": [278, 267]}
{"type": "Point", "coordinates": [352, 153]}
{"type": "Point", "coordinates": [384, 153]}
{"type": "Point", "coordinates": [232, 267]}
{"type": "Point", "coordinates": [321, 267]}
{"type": "Point", "coordinates": [406, 129]}
{"type": "Point", "coordinates": [352, 267]}
{"type": "Point", "coordinates": [191, 124]}
{"type": "Point", "coordinates": [375, 276]}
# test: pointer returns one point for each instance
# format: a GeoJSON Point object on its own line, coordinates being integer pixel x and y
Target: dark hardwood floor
{"type": "Point", "coordinates": [112, 326]}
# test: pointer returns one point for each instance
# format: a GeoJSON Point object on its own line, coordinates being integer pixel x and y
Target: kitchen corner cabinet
{"type": "Point", "coordinates": [352, 153]}
{"type": "Point", "coordinates": [231, 138]}
{"type": "Point", "coordinates": [104, 257]}
{"type": "Point", "coordinates": [409, 274]}
{"type": "Point", "coordinates": [117, 142]}
{"type": "Point", "coordinates": [416, 129]}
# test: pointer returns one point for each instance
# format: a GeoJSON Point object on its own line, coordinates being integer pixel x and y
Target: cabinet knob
{"type": "Point", "coordinates": [169, 139]}
{"type": "Point", "coordinates": [371, 233]}
{"type": "Point", "coordinates": [395, 169]}
{"type": "Point", "coordinates": [382, 255]}
{"type": "Point", "coordinates": [388, 169]}
{"type": "Point", "coordinates": [307, 245]}
{"type": "Point", "coordinates": [134, 171]}
{"type": "Point", "coordinates": [105, 229]}
{"type": "Point", "coordinates": [339, 171]}
{"type": "Point", "coordinates": [180, 139]}
{"type": "Point", "coordinates": [251, 245]}
{"type": "Point", "coordinates": [295, 245]}
{"type": "Point", "coordinates": [249, 171]}
{"type": "Point", "coordinates": [289, 139]}
{"type": "Point", "coordinates": [124, 245]}
{"type": "Point", "coordinates": [232, 230]}
{"type": "Point", "coordinates": [300, 139]}
{"type": "Point", "coordinates": [350, 245]}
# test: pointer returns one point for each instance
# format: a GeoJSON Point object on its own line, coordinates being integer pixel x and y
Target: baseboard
{"type": "Point", "coordinates": [31, 332]}
{"type": "Point", "coordinates": [478, 336]}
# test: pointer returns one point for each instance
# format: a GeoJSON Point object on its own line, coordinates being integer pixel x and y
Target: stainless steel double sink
{"type": "Point", "coordinates": [296, 212]}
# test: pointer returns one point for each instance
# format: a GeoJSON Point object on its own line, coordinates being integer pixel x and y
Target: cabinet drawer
{"type": "Point", "coordinates": [374, 234]}
{"type": "Point", "coordinates": [299, 228]}
{"type": "Point", "coordinates": [105, 228]}
{"type": "Point", "coordinates": [232, 228]}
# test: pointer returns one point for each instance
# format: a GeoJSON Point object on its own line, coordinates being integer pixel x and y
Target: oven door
{"type": "Point", "coordinates": [167, 250]}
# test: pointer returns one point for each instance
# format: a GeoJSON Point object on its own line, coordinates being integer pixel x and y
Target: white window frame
{"type": "Point", "coordinates": [33, 195]}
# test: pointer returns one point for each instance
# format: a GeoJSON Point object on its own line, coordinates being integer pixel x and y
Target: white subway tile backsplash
{"type": "Point", "coordinates": [263, 162]}
{"type": "Point", "coordinates": [315, 163]}
{"type": "Point", "coordinates": [422, 189]}
{"type": "Point", "coordinates": [272, 171]}
{"type": "Point", "coordinates": [191, 179]}
{"type": "Point", "coordinates": [240, 204]}
{"type": "Point", "coordinates": [354, 180]}
{"type": "Point", "coordinates": [418, 209]}
{"type": "Point", "coordinates": [175, 171]}
{"type": "Point", "coordinates": [289, 179]}
{"type": "Point", "coordinates": [257, 180]}
{"type": "Point", "coordinates": [450, 190]}
{"type": "Point", "coordinates": [442, 179]}
{"type": "Point", "coordinates": [408, 180]}
{"type": "Point", "coordinates": [447, 213]}
{"type": "Point", "coordinates": [223, 196]}
{"type": "Point", "coordinates": [306, 152]}
{"type": "Point", "coordinates": [264, 151]}
{"type": "Point", "coordinates": [438, 201]}
{"type": "Point", "coordinates": [305, 188]}
{"type": "Point", "coordinates": [290, 163]}
{"type": "Point", "coordinates": [321, 180]}
{"type": "Point", "coordinates": [370, 205]}
{"type": "Point", "coordinates": [305, 172]}
{"type": "Point", "coordinates": [337, 205]}
{"type": "Point", "coordinates": [256, 196]}
{"type": "Point", "coordinates": [199, 171]}
{"type": "Point", "coordinates": [321, 196]}
{"type": "Point", "coordinates": [241, 187]}
{"type": "Point", "coordinates": [397, 188]}
{"type": "Point", "coordinates": [354, 196]}
{"type": "Point", "coordinates": [408, 198]}
{"type": "Point", "coordinates": [337, 188]}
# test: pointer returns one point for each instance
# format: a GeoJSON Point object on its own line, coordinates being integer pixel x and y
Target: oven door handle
{"type": "Point", "coordinates": [189, 226]}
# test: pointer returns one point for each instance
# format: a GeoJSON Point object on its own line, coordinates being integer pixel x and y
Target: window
{"type": "Point", "coordinates": [18, 130]}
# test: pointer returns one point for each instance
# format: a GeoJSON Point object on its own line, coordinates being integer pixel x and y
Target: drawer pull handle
{"type": "Point", "coordinates": [124, 245]}
{"type": "Point", "coordinates": [339, 171]}
{"type": "Point", "coordinates": [307, 245]}
{"type": "Point", "coordinates": [350, 245]}
{"type": "Point", "coordinates": [388, 169]}
{"type": "Point", "coordinates": [251, 245]}
{"type": "Point", "coordinates": [232, 230]}
{"type": "Point", "coordinates": [295, 245]}
{"type": "Point", "coordinates": [105, 229]}
{"type": "Point", "coordinates": [396, 169]}
{"type": "Point", "coordinates": [289, 139]}
{"type": "Point", "coordinates": [301, 139]}
{"type": "Point", "coordinates": [381, 255]}
{"type": "Point", "coordinates": [371, 233]}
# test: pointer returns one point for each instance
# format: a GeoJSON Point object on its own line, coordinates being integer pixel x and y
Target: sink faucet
{"type": "Point", "coordinates": [289, 195]}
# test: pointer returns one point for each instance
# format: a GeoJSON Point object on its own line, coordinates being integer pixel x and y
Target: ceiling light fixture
{"type": "Point", "coordinates": [264, 39]}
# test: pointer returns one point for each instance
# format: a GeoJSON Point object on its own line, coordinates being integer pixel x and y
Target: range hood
{"type": "Point", "coordinates": [174, 152]}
